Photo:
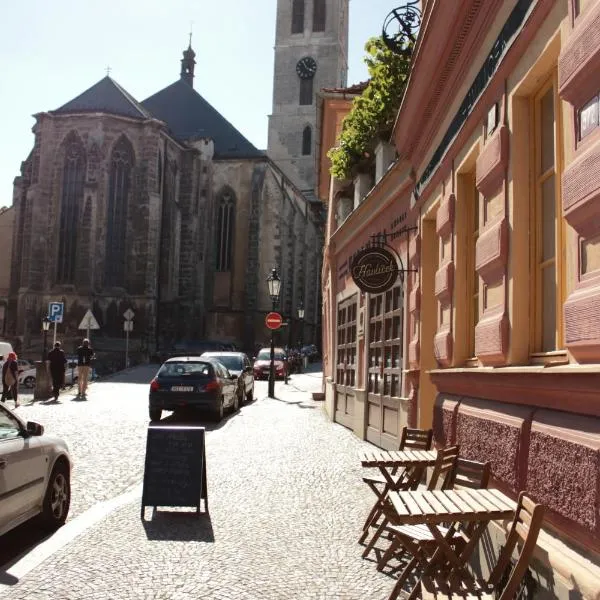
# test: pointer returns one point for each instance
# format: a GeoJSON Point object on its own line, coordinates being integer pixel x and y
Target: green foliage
{"type": "Point", "coordinates": [374, 111]}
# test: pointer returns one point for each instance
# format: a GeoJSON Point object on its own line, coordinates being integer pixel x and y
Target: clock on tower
{"type": "Point", "coordinates": [306, 67]}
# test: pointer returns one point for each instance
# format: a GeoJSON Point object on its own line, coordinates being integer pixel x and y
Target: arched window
{"type": "Point", "coordinates": [72, 195]}
{"type": "Point", "coordinates": [225, 229]}
{"type": "Point", "coordinates": [307, 140]}
{"type": "Point", "coordinates": [319, 15]}
{"type": "Point", "coordinates": [121, 162]}
{"type": "Point", "coordinates": [298, 16]}
{"type": "Point", "coordinates": [306, 91]}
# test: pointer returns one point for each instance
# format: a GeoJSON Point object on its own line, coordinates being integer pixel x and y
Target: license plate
{"type": "Point", "coordinates": [182, 388]}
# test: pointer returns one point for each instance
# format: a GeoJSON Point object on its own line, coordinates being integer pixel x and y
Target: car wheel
{"type": "Point", "coordinates": [155, 414]}
{"type": "Point", "coordinates": [29, 382]}
{"type": "Point", "coordinates": [58, 497]}
{"type": "Point", "coordinates": [218, 411]}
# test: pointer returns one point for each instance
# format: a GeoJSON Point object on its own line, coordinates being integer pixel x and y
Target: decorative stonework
{"type": "Point", "coordinates": [445, 216]}
{"type": "Point", "coordinates": [414, 251]}
{"type": "Point", "coordinates": [444, 281]}
{"type": "Point", "coordinates": [414, 353]}
{"type": "Point", "coordinates": [414, 300]}
{"type": "Point", "coordinates": [491, 338]}
{"type": "Point", "coordinates": [492, 162]}
{"type": "Point", "coordinates": [582, 323]}
{"type": "Point", "coordinates": [492, 250]}
{"type": "Point", "coordinates": [444, 419]}
{"type": "Point", "coordinates": [442, 346]}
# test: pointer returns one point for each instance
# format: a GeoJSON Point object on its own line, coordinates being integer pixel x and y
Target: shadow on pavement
{"type": "Point", "coordinates": [16, 543]}
{"type": "Point", "coordinates": [179, 527]}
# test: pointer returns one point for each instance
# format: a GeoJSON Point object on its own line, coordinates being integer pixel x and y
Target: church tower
{"type": "Point", "coordinates": [311, 52]}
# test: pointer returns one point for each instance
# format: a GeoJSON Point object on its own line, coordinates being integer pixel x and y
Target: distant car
{"type": "Point", "coordinates": [238, 364]}
{"type": "Point", "coordinates": [311, 352]}
{"type": "Point", "coordinates": [262, 363]}
{"type": "Point", "coordinates": [24, 364]}
{"type": "Point", "coordinates": [27, 378]}
{"type": "Point", "coordinates": [36, 473]}
{"type": "Point", "coordinates": [193, 382]}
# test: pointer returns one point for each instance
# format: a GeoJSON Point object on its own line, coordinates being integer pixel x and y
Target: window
{"type": "Point", "coordinates": [472, 275]}
{"type": "Point", "coordinates": [547, 231]}
{"type": "Point", "coordinates": [298, 16]}
{"type": "Point", "coordinates": [225, 220]}
{"type": "Point", "coordinates": [306, 91]}
{"type": "Point", "coordinates": [9, 426]}
{"type": "Point", "coordinates": [72, 194]}
{"type": "Point", "coordinates": [346, 343]}
{"type": "Point", "coordinates": [306, 140]}
{"type": "Point", "coordinates": [319, 15]}
{"type": "Point", "coordinates": [121, 163]}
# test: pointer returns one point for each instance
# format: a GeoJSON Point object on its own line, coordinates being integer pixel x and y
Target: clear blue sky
{"type": "Point", "coordinates": [52, 50]}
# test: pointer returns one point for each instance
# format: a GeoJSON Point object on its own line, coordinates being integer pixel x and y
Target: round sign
{"type": "Point", "coordinates": [273, 320]}
{"type": "Point", "coordinates": [374, 270]}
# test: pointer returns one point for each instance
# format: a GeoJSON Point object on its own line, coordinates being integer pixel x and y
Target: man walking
{"type": "Point", "coordinates": [85, 355]}
{"type": "Point", "coordinates": [57, 360]}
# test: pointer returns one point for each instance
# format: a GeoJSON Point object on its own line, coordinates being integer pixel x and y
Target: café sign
{"type": "Point", "coordinates": [375, 269]}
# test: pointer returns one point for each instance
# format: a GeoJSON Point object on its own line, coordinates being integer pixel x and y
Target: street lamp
{"type": "Point", "coordinates": [45, 326]}
{"type": "Point", "coordinates": [301, 317]}
{"type": "Point", "coordinates": [274, 284]}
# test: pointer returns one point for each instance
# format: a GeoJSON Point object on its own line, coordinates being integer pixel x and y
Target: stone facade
{"type": "Point", "coordinates": [6, 233]}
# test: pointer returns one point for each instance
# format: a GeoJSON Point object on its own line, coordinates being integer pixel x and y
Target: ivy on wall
{"type": "Point", "coordinates": [373, 112]}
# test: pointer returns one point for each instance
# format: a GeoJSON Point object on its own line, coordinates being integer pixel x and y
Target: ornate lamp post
{"type": "Point", "coordinates": [42, 379]}
{"type": "Point", "coordinates": [45, 327]}
{"type": "Point", "coordinates": [301, 317]}
{"type": "Point", "coordinates": [274, 284]}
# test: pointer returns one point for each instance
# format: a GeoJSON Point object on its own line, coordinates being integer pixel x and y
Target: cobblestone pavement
{"type": "Point", "coordinates": [285, 494]}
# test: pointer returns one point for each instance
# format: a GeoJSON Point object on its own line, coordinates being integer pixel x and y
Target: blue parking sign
{"type": "Point", "coordinates": [56, 311]}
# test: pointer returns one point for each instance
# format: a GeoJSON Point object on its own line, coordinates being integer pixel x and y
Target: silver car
{"type": "Point", "coordinates": [35, 473]}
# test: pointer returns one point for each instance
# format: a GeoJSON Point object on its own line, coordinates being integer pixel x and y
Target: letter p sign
{"type": "Point", "coordinates": [56, 311]}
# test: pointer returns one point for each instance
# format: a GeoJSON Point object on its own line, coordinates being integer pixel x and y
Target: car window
{"type": "Point", "coordinates": [191, 370]}
{"type": "Point", "coordinates": [230, 362]}
{"type": "Point", "coordinates": [9, 426]}
{"type": "Point", "coordinates": [265, 354]}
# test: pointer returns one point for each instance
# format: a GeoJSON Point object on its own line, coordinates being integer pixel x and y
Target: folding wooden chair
{"type": "Point", "coordinates": [523, 532]}
{"type": "Point", "coordinates": [441, 478]}
{"type": "Point", "coordinates": [418, 540]}
{"type": "Point", "coordinates": [407, 479]}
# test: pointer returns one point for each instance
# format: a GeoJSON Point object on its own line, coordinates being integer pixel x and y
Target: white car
{"type": "Point", "coordinates": [35, 473]}
{"type": "Point", "coordinates": [27, 378]}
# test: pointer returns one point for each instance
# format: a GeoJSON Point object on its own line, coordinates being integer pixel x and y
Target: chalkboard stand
{"type": "Point", "coordinates": [175, 468]}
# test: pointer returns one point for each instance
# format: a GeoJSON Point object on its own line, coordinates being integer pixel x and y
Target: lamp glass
{"type": "Point", "coordinates": [301, 312]}
{"type": "Point", "coordinates": [46, 323]}
{"type": "Point", "coordinates": [274, 284]}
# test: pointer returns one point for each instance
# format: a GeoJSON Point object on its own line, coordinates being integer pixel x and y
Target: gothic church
{"type": "Point", "coordinates": [162, 206]}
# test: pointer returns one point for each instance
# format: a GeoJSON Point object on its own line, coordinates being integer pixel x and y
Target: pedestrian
{"type": "Point", "coordinates": [85, 356]}
{"type": "Point", "coordinates": [10, 379]}
{"type": "Point", "coordinates": [57, 360]}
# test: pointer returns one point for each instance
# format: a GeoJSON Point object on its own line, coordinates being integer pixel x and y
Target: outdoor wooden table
{"type": "Point", "coordinates": [432, 508]}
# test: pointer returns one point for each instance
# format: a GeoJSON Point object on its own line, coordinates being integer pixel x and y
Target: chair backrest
{"type": "Point", "coordinates": [416, 439]}
{"type": "Point", "coordinates": [471, 474]}
{"type": "Point", "coordinates": [443, 471]}
{"type": "Point", "coordinates": [523, 531]}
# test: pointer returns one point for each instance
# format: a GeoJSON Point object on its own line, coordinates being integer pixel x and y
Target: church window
{"type": "Point", "coordinates": [121, 162]}
{"type": "Point", "coordinates": [306, 140]}
{"type": "Point", "coordinates": [306, 92]}
{"type": "Point", "coordinates": [225, 221]}
{"type": "Point", "coordinates": [298, 16]}
{"type": "Point", "coordinates": [72, 194]}
{"type": "Point", "coordinates": [319, 15]}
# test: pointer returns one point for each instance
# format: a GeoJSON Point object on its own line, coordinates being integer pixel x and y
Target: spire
{"type": "Point", "coordinates": [188, 63]}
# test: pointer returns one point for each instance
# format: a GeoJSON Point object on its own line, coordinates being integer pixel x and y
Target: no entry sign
{"type": "Point", "coordinates": [273, 320]}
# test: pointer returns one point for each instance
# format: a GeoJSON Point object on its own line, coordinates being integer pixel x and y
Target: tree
{"type": "Point", "coordinates": [373, 112]}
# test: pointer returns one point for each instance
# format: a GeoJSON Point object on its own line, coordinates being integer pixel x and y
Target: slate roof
{"type": "Point", "coordinates": [189, 115]}
{"type": "Point", "coordinates": [105, 96]}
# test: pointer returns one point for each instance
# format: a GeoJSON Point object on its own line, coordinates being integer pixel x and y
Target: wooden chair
{"type": "Point", "coordinates": [441, 479]}
{"type": "Point", "coordinates": [524, 532]}
{"type": "Point", "coordinates": [418, 540]}
{"type": "Point", "coordinates": [407, 479]}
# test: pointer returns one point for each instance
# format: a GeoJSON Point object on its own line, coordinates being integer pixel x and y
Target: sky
{"type": "Point", "coordinates": [52, 50]}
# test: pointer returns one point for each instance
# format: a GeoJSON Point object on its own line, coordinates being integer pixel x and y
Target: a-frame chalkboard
{"type": "Point", "coordinates": [175, 467]}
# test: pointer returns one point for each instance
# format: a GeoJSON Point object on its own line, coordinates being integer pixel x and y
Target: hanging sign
{"type": "Point", "coordinates": [374, 270]}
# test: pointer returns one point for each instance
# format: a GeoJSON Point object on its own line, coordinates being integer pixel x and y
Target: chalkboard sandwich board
{"type": "Point", "coordinates": [175, 467]}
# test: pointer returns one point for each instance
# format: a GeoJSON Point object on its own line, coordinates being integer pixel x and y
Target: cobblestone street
{"type": "Point", "coordinates": [285, 495]}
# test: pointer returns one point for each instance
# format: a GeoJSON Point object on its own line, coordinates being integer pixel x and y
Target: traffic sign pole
{"type": "Point", "coordinates": [54, 343]}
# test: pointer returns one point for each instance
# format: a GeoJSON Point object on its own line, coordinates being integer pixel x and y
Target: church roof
{"type": "Point", "coordinates": [105, 96]}
{"type": "Point", "coordinates": [189, 115]}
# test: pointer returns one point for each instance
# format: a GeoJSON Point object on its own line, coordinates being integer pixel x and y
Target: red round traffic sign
{"type": "Point", "coordinates": [273, 320]}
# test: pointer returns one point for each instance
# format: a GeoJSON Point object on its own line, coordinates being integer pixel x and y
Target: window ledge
{"type": "Point", "coordinates": [512, 370]}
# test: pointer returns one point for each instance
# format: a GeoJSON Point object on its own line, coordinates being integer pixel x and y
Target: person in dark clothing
{"type": "Point", "coordinates": [57, 360]}
{"type": "Point", "coordinates": [85, 356]}
{"type": "Point", "coordinates": [10, 378]}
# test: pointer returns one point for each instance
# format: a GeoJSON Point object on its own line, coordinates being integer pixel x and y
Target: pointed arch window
{"type": "Point", "coordinates": [73, 180]}
{"type": "Point", "coordinates": [307, 141]}
{"type": "Point", "coordinates": [225, 229]}
{"type": "Point", "coordinates": [121, 163]}
{"type": "Point", "coordinates": [298, 16]}
{"type": "Point", "coordinates": [319, 15]}
{"type": "Point", "coordinates": [306, 91]}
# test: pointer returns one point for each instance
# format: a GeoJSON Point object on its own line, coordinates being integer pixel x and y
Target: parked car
{"type": "Point", "coordinates": [5, 349]}
{"type": "Point", "coordinates": [27, 378]}
{"type": "Point", "coordinates": [24, 364]}
{"type": "Point", "coordinates": [193, 382]}
{"type": "Point", "coordinates": [262, 363]}
{"type": "Point", "coordinates": [238, 364]}
{"type": "Point", "coordinates": [36, 473]}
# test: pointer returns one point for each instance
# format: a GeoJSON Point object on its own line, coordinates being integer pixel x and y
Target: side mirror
{"type": "Point", "coordinates": [34, 428]}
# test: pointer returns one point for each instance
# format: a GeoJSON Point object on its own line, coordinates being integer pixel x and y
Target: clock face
{"type": "Point", "coordinates": [306, 67]}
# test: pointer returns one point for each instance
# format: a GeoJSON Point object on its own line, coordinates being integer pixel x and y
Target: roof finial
{"type": "Point", "coordinates": [108, 70]}
{"type": "Point", "coordinates": [191, 31]}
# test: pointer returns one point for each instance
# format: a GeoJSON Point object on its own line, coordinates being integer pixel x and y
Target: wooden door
{"type": "Point", "coordinates": [345, 379]}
